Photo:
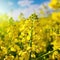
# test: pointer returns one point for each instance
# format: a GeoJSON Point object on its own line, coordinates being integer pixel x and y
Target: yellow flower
{"type": "Point", "coordinates": [56, 43]}
{"type": "Point", "coordinates": [38, 50]}
{"type": "Point", "coordinates": [56, 16]}
{"type": "Point", "coordinates": [56, 55]}
{"type": "Point", "coordinates": [28, 37]}
{"type": "Point", "coordinates": [13, 49]}
{"type": "Point", "coordinates": [55, 4]}
{"type": "Point", "coordinates": [4, 50]}
{"type": "Point", "coordinates": [33, 55]}
{"type": "Point", "coordinates": [29, 49]}
{"type": "Point", "coordinates": [25, 56]}
{"type": "Point", "coordinates": [10, 57]}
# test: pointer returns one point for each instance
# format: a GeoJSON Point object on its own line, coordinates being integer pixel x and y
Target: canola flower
{"type": "Point", "coordinates": [55, 4]}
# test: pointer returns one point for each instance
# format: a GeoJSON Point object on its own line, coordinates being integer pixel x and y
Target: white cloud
{"type": "Point", "coordinates": [25, 2]}
{"type": "Point", "coordinates": [28, 11]}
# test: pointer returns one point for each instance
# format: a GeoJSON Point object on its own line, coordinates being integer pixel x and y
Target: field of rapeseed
{"type": "Point", "coordinates": [33, 38]}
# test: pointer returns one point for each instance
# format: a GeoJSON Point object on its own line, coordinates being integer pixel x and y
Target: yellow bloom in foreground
{"type": "Point", "coordinates": [55, 4]}
{"type": "Point", "coordinates": [56, 43]}
{"type": "Point", "coordinates": [25, 56]}
{"type": "Point", "coordinates": [56, 55]}
{"type": "Point", "coordinates": [56, 16]}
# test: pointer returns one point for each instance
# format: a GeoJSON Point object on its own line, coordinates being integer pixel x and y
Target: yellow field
{"type": "Point", "coordinates": [31, 39]}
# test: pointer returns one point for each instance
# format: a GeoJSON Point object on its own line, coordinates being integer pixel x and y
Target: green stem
{"type": "Point", "coordinates": [48, 53]}
{"type": "Point", "coordinates": [31, 37]}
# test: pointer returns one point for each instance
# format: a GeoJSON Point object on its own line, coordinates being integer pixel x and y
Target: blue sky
{"type": "Point", "coordinates": [20, 5]}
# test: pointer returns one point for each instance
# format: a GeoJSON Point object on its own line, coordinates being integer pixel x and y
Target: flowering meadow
{"type": "Point", "coordinates": [34, 38]}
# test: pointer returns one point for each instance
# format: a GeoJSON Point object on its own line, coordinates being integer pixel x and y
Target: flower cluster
{"type": "Point", "coordinates": [55, 4]}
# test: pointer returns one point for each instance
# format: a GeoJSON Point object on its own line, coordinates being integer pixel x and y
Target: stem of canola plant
{"type": "Point", "coordinates": [31, 38]}
{"type": "Point", "coordinates": [48, 53]}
